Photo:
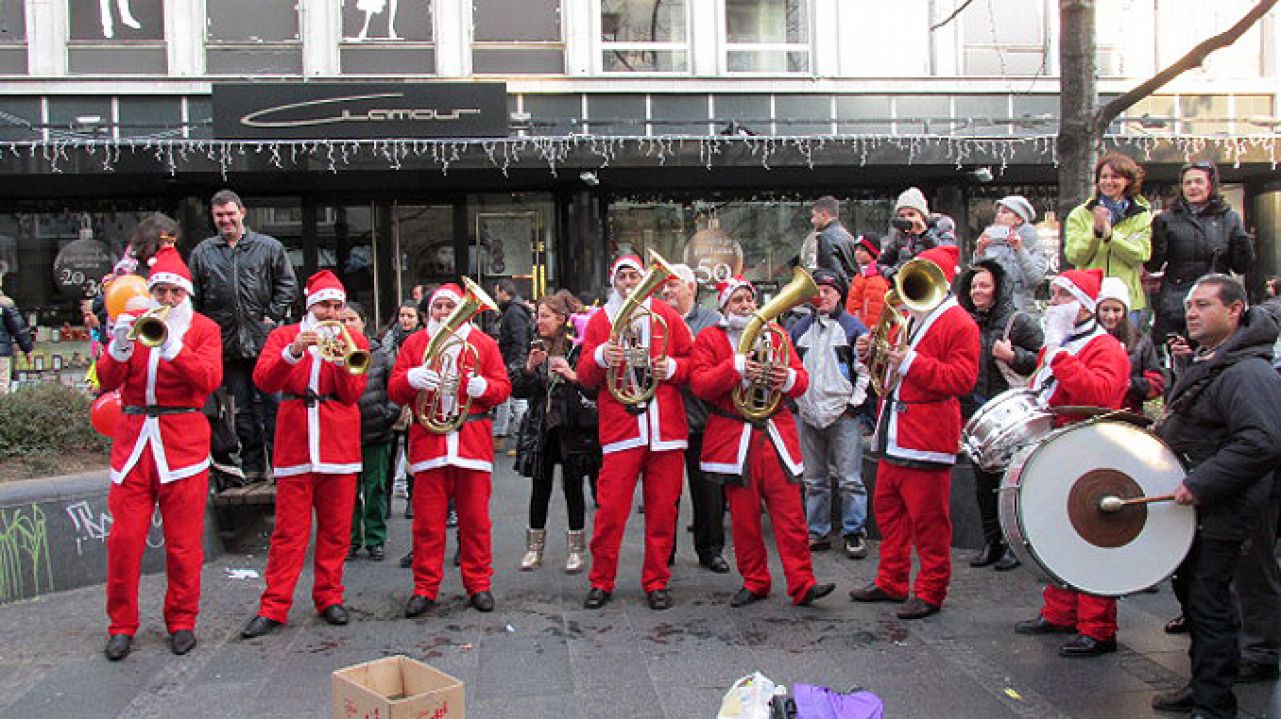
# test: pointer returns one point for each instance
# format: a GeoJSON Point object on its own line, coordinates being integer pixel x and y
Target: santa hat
{"type": "Point", "coordinates": [168, 268]}
{"type": "Point", "coordinates": [324, 285]}
{"type": "Point", "coordinates": [1113, 288]}
{"type": "Point", "coordinates": [448, 290]}
{"type": "Point", "coordinates": [726, 289]}
{"type": "Point", "coordinates": [946, 257]}
{"type": "Point", "coordinates": [631, 261]}
{"type": "Point", "coordinates": [1084, 285]}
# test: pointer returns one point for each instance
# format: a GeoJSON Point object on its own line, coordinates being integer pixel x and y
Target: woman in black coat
{"type": "Point", "coordinates": [1014, 338]}
{"type": "Point", "coordinates": [559, 428]}
{"type": "Point", "coordinates": [1198, 235]}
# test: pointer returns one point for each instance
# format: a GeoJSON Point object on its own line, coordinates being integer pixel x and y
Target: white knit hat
{"type": "Point", "coordinates": [914, 199]}
{"type": "Point", "coordinates": [1113, 288]}
{"type": "Point", "coordinates": [1019, 205]}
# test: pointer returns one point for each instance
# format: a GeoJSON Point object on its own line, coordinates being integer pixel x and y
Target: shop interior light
{"type": "Point", "coordinates": [589, 178]}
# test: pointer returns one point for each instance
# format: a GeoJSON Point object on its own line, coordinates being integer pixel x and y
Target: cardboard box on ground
{"type": "Point", "coordinates": [396, 688]}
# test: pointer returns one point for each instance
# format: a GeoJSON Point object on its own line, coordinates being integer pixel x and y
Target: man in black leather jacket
{"type": "Point", "coordinates": [244, 282]}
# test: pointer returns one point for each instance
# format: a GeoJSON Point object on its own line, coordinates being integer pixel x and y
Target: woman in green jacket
{"type": "Point", "coordinates": [1113, 229]}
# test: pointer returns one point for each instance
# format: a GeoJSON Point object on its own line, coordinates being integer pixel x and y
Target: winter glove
{"type": "Point", "coordinates": [476, 386]}
{"type": "Point", "coordinates": [423, 379]}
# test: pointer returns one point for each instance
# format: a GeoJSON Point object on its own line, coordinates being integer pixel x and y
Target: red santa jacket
{"type": "Point", "coordinates": [1091, 369]}
{"type": "Point", "coordinates": [713, 377]}
{"type": "Point", "coordinates": [662, 425]}
{"type": "Point", "coordinates": [922, 421]}
{"type": "Point", "coordinates": [323, 437]}
{"type": "Point", "coordinates": [179, 443]}
{"type": "Point", "coordinates": [472, 446]}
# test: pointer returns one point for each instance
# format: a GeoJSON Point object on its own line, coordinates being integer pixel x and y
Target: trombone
{"type": "Point", "coordinates": [335, 344]}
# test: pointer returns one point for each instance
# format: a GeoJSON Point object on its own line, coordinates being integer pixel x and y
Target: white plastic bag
{"type": "Point", "coordinates": [748, 698]}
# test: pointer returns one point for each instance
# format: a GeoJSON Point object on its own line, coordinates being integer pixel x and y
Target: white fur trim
{"type": "Point", "coordinates": [170, 278]}
{"type": "Point", "coordinates": [1086, 301]}
{"type": "Point", "coordinates": [328, 293]}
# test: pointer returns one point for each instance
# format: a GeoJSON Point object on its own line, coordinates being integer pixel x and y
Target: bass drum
{"type": "Point", "coordinates": [1050, 514]}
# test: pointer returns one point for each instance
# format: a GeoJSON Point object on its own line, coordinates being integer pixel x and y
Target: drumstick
{"type": "Point", "coordinates": [1116, 504]}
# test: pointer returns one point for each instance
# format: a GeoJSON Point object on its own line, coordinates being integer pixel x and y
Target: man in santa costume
{"type": "Point", "coordinates": [755, 460]}
{"type": "Point", "coordinates": [917, 436]}
{"type": "Point", "coordinates": [316, 457]}
{"type": "Point", "coordinates": [644, 440]}
{"type": "Point", "coordinates": [457, 465]}
{"type": "Point", "coordinates": [160, 454]}
{"type": "Point", "coordinates": [1080, 365]}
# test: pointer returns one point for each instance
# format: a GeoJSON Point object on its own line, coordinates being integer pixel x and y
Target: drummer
{"type": "Point", "coordinates": [1080, 365]}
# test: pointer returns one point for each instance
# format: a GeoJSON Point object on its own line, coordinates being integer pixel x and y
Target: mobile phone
{"type": "Point", "coordinates": [537, 345]}
{"type": "Point", "coordinates": [901, 224]}
{"type": "Point", "coordinates": [1171, 336]}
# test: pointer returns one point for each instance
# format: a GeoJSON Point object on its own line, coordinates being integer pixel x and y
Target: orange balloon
{"type": "Point", "coordinates": [126, 293]}
{"type": "Point", "coordinates": [106, 412]}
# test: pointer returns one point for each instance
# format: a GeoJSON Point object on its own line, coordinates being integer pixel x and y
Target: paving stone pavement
{"type": "Point", "coordinates": [541, 655]}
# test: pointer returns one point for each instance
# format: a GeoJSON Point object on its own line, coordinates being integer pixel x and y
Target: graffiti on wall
{"type": "Point", "coordinates": [25, 566]}
{"type": "Point", "coordinates": [94, 525]}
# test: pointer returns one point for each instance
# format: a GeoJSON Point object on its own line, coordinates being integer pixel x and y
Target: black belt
{"type": "Point", "coordinates": [155, 410]}
{"type": "Point", "coordinates": [478, 416]}
{"type": "Point", "coordinates": [311, 398]}
{"type": "Point", "coordinates": [758, 424]}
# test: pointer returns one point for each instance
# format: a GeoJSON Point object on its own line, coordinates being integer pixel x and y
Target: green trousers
{"type": "Point", "coordinates": [369, 517]}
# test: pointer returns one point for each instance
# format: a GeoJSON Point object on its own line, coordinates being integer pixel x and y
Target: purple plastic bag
{"type": "Point", "coordinates": [813, 702]}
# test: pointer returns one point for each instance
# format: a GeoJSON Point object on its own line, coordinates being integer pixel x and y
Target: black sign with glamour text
{"type": "Point", "coordinates": [324, 111]}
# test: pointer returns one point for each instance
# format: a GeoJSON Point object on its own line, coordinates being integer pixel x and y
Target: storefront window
{"type": "Point", "coordinates": [13, 39]}
{"type": "Point", "coordinates": [116, 36]}
{"type": "Point", "coordinates": [511, 238]}
{"type": "Point", "coordinates": [767, 35]}
{"type": "Point", "coordinates": [423, 236]}
{"type": "Point", "coordinates": [644, 36]}
{"type": "Point", "coordinates": [251, 37]}
{"type": "Point", "coordinates": [382, 37]}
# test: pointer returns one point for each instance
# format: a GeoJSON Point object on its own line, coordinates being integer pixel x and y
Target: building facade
{"type": "Point", "coordinates": [399, 142]}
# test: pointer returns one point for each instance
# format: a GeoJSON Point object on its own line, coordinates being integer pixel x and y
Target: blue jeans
{"type": "Point", "coordinates": [834, 450]}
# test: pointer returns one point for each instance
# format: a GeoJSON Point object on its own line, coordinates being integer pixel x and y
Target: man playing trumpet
{"type": "Point", "coordinates": [641, 438]}
{"type": "Point", "coordinates": [451, 460]}
{"type": "Point", "coordinates": [160, 453]}
{"type": "Point", "coordinates": [317, 452]}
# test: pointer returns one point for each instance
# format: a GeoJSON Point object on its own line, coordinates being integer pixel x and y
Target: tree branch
{"type": "Point", "coordinates": [959, 9]}
{"type": "Point", "coordinates": [1109, 112]}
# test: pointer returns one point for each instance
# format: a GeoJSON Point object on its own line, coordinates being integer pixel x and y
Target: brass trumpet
{"type": "Point", "coordinates": [439, 411]}
{"type": "Point", "coordinates": [336, 345]}
{"type": "Point", "coordinates": [920, 286]}
{"type": "Point", "coordinates": [765, 342]}
{"type": "Point", "coordinates": [632, 381]}
{"type": "Point", "coordinates": [150, 329]}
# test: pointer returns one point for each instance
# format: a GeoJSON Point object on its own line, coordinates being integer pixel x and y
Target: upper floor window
{"type": "Point", "coordinates": [1004, 37]}
{"type": "Point", "coordinates": [116, 36]}
{"type": "Point", "coordinates": [381, 37]}
{"type": "Point", "coordinates": [13, 39]}
{"type": "Point", "coordinates": [767, 36]}
{"type": "Point", "coordinates": [517, 37]}
{"type": "Point", "coordinates": [252, 37]}
{"type": "Point", "coordinates": [644, 35]}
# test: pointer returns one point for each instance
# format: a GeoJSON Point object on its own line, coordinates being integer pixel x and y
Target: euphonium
{"type": "Point", "coordinates": [766, 343]}
{"type": "Point", "coordinates": [920, 286]}
{"type": "Point", "coordinates": [632, 381]}
{"type": "Point", "coordinates": [336, 345]}
{"type": "Point", "coordinates": [150, 329]}
{"type": "Point", "coordinates": [438, 411]}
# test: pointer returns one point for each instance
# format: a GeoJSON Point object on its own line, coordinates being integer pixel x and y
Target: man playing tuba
{"type": "Point", "coordinates": [757, 459]}
{"type": "Point", "coordinates": [639, 437]}
{"type": "Point", "coordinates": [451, 445]}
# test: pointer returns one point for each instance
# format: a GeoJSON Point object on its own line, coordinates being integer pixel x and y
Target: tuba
{"type": "Point", "coordinates": [632, 381]}
{"type": "Point", "coordinates": [920, 286]}
{"type": "Point", "coordinates": [439, 411]}
{"type": "Point", "coordinates": [150, 329]}
{"type": "Point", "coordinates": [336, 345]}
{"type": "Point", "coordinates": [765, 342]}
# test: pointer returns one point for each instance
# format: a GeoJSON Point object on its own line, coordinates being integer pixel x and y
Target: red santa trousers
{"type": "Point", "coordinates": [132, 504]}
{"type": "Point", "coordinates": [470, 490]}
{"type": "Point", "coordinates": [1092, 616]}
{"type": "Point", "coordinates": [911, 507]}
{"type": "Point", "coordinates": [615, 488]}
{"type": "Point", "coordinates": [768, 482]}
{"type": "Point", "coordinates": [332, 496]}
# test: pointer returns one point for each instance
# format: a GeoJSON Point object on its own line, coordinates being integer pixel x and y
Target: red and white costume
{"type": "Point", "coordinates": [316, 458]}
{"type": "Point", "coordinates": [457, 465]}
{"type": "Point", "coordinates": [754, 461]}
{"type": "Point", "coordinates": [160, 454]}
{"type": "Point", "coordinates": [918, 434]}
{"type": "Point", "coordinates": [636, 441]}
{"type": "Point", "coordinates": [1090, 368]}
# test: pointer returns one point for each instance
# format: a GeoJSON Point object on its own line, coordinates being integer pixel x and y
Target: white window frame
{"type": "Point", "coordinates": [726, 47]}
{"type": "Point", "coordinates": [601, 46]}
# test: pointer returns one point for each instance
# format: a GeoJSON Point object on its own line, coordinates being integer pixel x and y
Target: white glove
{"type": "Point", "coordinates": [1058, 322]}
{"type": "Point", "coordinates": [121, 329]}
{"type": "Point", "coordinates": [740, 365]}
{"type": "Point", "coordinates": [170, 349]}
{"type": "Point", "coordinates": [423, 379]}
{"type": "Point", "coordinates": [476, 386]}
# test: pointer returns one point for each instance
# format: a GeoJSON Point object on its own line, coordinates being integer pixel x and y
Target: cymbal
{"type": "Point", "coordinates": [1100, 528]}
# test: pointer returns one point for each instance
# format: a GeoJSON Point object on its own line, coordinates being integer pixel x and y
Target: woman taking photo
{"type": "Point", "coordinates": [1009, 341]}
{"type": "Point", "coordinates": [1146, 380]}
{"type": "Point", "coordinates": [559, 428]}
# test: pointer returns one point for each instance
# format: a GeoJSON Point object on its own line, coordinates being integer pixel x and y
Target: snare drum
{"type": "Point", "coordinates": [1006, 423]}
{"type": "Point", "coordinates": [1050, 515]}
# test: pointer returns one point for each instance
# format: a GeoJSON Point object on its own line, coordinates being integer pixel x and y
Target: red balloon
{"type": "Point", "coordinates": [106, 411]}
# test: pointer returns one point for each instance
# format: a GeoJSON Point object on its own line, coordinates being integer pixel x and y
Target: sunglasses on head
{"type": "Point", "coordinates": [1204, 165]}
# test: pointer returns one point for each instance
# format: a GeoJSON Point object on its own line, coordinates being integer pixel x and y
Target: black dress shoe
{"type": "Point", "coordinates": [118, 646]}
{"type": "Point", "coordinates": [335, 614]}
{"type": "Point", "coordinates": [1041, 626]}
{"type": "Point", "coordinates": [417, 605]}
{"type": "Point", "coordinates": [1009, 560]}
{"type": "Point", "coordinates": [820, 545]}
{"type": "Point", "coordinates": [917, 608]}
{"type": "Point", "coordinates": [482, 601]}
{"type": "Point", "coordinates": [988, 554]}
{"type": "Point", "coordinates": [1179, 700]}
{"type": "Point", "coordinates": [816, 592]}
{"type": "Point", "coordinates": [377, 554]}
{"type": "Point", "coordinates": [1178, 625]}
{"type": "Point", "coordinates": [409, 509]}
{"type": "Point", "coordinates": [407, 561]}
{"type": "Point", "coordinates": [258, 626]}
{"type": "Point", "coordinates": [182, 641]}
{"type": "Point", "coordinates": [873, 593]}
{"type": "Point", "coordinates": [596, 598]}
{"type": "Point", "coordinates": [660, 599]}
{"type": "Point", "coordinates": [1086, 646]}
{"type": "Point", "coordinates": [716, 563]}
{"type": "Point", "coordinates": [353, 553]}
{"type": "Point", "coordinates": [1254, 672]}
{"type": "Point", "coordinates": [744, 597]}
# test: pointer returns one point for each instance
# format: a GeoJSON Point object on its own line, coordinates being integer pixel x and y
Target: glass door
{"type": "Point", "coordinates": [510, 238]}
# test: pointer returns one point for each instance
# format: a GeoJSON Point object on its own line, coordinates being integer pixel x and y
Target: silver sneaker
{"type": "Point", "coordinates": [855, 546]}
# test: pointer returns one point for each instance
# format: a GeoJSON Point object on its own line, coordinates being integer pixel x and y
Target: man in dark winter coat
{"type": "Point", "coordinates": [514, 332]}
{"type": "Point", "coordinates": [13, 330]}
{"type": "Point", "coordinates": [244, 282]}
{"type": "Point", "coordinates": [835, 248]}
{"type": "Point", "coordinates": [1222, 418]}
